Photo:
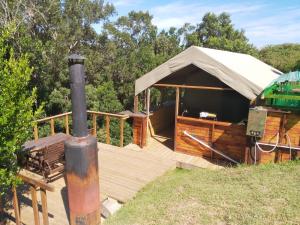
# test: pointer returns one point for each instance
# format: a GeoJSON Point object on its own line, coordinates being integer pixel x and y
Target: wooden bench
{"type": "Point", "coordinates": [46, 155]}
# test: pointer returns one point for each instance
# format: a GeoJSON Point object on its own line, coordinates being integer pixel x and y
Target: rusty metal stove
{"type": "Point", "coordinates": [82, 175]}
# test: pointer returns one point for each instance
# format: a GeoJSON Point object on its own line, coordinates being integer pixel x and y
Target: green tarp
{"type": "Point", "coordinates": [284, 92]}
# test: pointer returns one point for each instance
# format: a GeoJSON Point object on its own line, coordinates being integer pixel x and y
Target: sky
{"type": "Point", "coordinates": [265, 22]}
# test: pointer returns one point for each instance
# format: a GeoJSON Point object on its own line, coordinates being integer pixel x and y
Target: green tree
{"type": "Point", "coordinates": [217, 31]}
{"type": "Point", "coordinates": [16, 114]}
{"type": "Point", "coordinates": [285, 57]}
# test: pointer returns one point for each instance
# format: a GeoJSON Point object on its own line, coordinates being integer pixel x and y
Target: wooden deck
{"type": "Point", "coordinates": [123, 172]}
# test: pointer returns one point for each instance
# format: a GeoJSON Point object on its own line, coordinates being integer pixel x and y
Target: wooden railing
{"type": "Point", "coordinates": [35, 185]}
{"type": "Point", "coordinates": [94, 115]}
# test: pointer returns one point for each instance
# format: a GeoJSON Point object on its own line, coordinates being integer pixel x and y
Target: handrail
{"type": "Point", "coordinates": [94, 114]}
{"type": "Point", "coordinates": [35, 180]}
{"type": "Point", "coordinates": [53, 117]}
{"type": "Point", "coordinates": [198, 120]}
{"type": "Point", "coordinates": [35, 184]}
{"type": "Point", "coordinates": [207, 146]}
{"type": "Point", "coordinates": [109, 114]}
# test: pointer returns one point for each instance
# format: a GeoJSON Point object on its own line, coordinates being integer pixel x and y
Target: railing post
{"type": "Point", "coordinates": [44, 206]}
{"type": "Point", "coordinates": [107, 120]}
{"type": "Point", "coordinates": [16, 206]}
{"type": "Point", "coordinates": [35, 205]}
{"type": "Point", "coordinates": [52, 126]}
{"type": "Point", "coordinates": [67, 124]}
{"type": "Point", "coordinates": [121, 132]}
{"type": "Point", "coordinates": [36, 132]}
{"type": "Point", "coordinates": [94, 124]}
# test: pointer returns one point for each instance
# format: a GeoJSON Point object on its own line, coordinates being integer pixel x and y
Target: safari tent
{"type": "Point", "coordinates": [213, 91]}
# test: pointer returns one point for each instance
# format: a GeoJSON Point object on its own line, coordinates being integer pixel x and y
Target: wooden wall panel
{"type": "Point", "coordinates": [228, 138]}
{"type": "Point", "coordinates": [163, 118]}
{"type": "Point", "coordinates": [273, 125]}
{"type": "Point", "coordinates": [140, 131]}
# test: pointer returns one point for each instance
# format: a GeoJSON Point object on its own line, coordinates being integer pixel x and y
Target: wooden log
{"type": "Point", "coordinates": [36, 132]}
{"type": "Point", "coordinates": [35, 205]}
{"type": "Point", "coordinates": [16, 206]}
{"type": "Point", "coordinates": [94, 125]}
{"type": "Point", "coordinates": [67, 124]}
{"type": "Point", "coordinates": [121, 132]}
{"type": "Point", "coordinates": [44, 206]}
{"type": "Point", "coordinates": [107, 126]}
{"type": "Point", "coordinates": [52, 126]}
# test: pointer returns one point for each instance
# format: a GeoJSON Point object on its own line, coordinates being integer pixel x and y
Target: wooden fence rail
{"type": "Point", "coordinates": [94, 115]}
{"type": "Point", "coordinates": [36, 184]}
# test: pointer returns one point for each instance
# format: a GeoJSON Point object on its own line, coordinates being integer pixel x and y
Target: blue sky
{"type": "Point", "coordinates": [265, 22]}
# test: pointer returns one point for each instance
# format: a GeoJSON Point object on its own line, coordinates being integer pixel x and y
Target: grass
{"type": "Point", "coordinates": [266, 194]}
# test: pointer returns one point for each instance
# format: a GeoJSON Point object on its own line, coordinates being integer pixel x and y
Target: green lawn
{"type": "Point", "coordinates": [266, 194]}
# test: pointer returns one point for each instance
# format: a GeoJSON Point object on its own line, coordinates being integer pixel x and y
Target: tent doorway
{"type": "Point", "coordinates": [162, 117]}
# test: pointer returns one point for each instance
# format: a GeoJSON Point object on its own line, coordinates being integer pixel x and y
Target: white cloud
{"type": "Point", "coordinates": [263, 24]}
{"type": "Point", "coordinates": [177, 13]}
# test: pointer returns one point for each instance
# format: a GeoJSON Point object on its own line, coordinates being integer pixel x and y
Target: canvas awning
{"type": "Point", "coordinates": [243, 73]}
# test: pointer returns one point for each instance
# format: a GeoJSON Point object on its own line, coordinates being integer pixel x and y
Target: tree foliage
{"type": "Point", "coordinates": [16, 114]}
{"type": "Point", "coordinates": [124, 49]}
{"type": "Point", "coordinates": [217, 31]}
{"type": "Point", "coordinates": [285, 57]}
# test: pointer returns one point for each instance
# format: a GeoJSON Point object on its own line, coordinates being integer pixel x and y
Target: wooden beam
{"type": "Point", "coordinates": [67, 124]}
{"type": "Point", "coordinates": [107, 122]}
{"type": "Point", "coordinates": [44, 206]}
{"type": "Point", "coordinates": [220, 123]}
{"type": "Point", "coordinates": [16, 206]}
{"type": "Point", "coordinates": [35, 205]}
{"type": "Point", "coordinates": [136, 104]}
{"type": "Point", "coordinates": [108, 114]}
{"type": "Point", "coordinates": [121, 132]}
{"type": "Point", "coordinates": [94, 125]}
{"type": "Point", "coordinates": [52, 126]}
{"type": "Point", "coordinates": [53, 117]}
{"type": "Point", "coordinates": [31, 178]}
{"type": "Point", "coordinates": [193, 87]}
{"type": "Point", "coordinates": [176, 115]}
{"type": "Point", "coordinates": [36, 132]}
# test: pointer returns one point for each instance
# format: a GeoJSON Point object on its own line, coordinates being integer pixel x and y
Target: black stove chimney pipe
{"type": "Point", "coordinates": [79, 116]}
{"type": "Point", "coordinates": [81, 153]}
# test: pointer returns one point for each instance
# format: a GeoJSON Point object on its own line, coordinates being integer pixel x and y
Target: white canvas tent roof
{"type": "Point", "coordinates": [243, 73]}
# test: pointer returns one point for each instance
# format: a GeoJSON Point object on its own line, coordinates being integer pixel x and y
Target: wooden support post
{"type": "Point", "coordinates": [36, 132]}
{"type": "Point", "coordinates": [136, 104]}
{"type": "Point", "coordinates": [67, 124]}
{"type": "Point", "coordinates": [121, 132]}
{"type": "Point", "coordinates": [35, 205]}
{"type": "Point", "coordinates": [148, 113]}
{"type": "Point", "coordinates": [107, 120]}
{"type": "Point", "coordinates": [212, 140]}
{"type": "Point", "coordinates": [94, 125]}
{"type": "Point", "coordinates": [282, 130]}
{"type": "Point", "coordinates": [52, 126]}
{"type": "Point", "coordinates": [16, 206]}
{"type": "Point", "coordinates": [176, 115]}
{"type": "Point", "coordinates": [44, 206]}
